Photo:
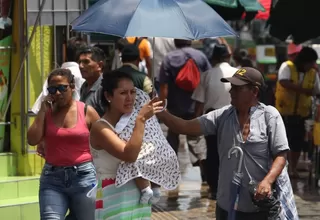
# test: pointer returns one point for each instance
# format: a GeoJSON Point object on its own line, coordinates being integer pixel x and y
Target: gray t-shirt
{"type": "Point", "coordinates": [267, 137]}
{"type": "Point", "coordinates": [92, 96]}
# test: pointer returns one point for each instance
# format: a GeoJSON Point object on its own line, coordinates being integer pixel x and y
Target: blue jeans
{"type": "Point", "coordinates": [62, 188]}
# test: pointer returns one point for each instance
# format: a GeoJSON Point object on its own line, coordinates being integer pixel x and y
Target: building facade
{"type": "Point", "coordinates": [40, 31]}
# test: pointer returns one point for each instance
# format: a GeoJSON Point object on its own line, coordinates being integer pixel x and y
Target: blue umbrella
{"type": "Point", "coordinates": [182, 19]}
{"type": "Point", "coordinates": [236, 184]}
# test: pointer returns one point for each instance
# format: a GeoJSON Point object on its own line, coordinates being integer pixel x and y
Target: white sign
{"type": "Point", "coordinates": [266, 54]}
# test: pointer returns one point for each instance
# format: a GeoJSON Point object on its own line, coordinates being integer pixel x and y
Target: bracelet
{"type": "Point", "coordinates": [164, 106]}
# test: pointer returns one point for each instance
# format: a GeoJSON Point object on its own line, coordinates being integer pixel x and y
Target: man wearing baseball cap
{"type": "Point", "coordinates": [259, 131]}
{"type": "Point", "coordinates": [246, 76]}
{"type": "Point", "coordinates": [209, 95]}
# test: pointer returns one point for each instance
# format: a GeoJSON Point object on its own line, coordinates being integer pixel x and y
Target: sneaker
{"type": "Point", "coordinates": [156, 195]}
{"type": "Point", "coordinates": [146, 195]}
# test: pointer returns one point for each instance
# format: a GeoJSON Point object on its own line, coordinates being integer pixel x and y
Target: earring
{"type": "Point", "coordinates": [109, 101]}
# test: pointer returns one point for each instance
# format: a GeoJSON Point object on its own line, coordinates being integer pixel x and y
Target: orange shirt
{"type": "Point", "coordinates": [144, 47]}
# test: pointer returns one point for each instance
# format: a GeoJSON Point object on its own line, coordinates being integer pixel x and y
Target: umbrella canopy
{"type": "Point", "coordinates": [236, 9]}
{"type": "Point", "coordinates": [299, 20]}
{"type": "Point", "coordinates": [249, 5]}
{"type": "Point", "coordinates": [182, 19]}
{"type": "Point", "coordinates": [264, 15]}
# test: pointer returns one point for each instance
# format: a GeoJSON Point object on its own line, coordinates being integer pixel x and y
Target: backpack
{"type": "Point", "coordinates": [136, 42]}
{"type": "Point", "coordinates": [188, 77]}
{"type": "Point", "coordinates": [142, 64]}
{"type": "Point", "coordinates": [116, 60]}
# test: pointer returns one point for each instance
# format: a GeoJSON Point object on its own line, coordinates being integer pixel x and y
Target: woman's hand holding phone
{"type": "Point", "coordinates": [163, 104]}
{"type": "Point", "coordinates": [47, 103]}
{"type": "Point", "coordinates": [151, 108]}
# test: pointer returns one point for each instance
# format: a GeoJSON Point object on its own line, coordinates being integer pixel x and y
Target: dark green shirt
{"type": "Point", "coordinates": [140, 79]}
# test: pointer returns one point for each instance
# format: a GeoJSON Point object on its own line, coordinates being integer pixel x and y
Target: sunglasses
{"type": "Point", "coordinates": [61, 88]}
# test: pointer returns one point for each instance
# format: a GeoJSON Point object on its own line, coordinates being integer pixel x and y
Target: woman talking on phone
{"type": "Point", "coordinates": [68, 174]}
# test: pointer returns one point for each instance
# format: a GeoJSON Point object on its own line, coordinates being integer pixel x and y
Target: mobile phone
{"type": "Point", "coordinates": [51, 102]}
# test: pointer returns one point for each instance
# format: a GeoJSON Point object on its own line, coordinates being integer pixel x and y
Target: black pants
{"type": "Point", "coordinates": [295, 132]}
{"type": "Point", "coordinates": [212, 162]}
{"type": "Point", "coordinates": [222, 214]}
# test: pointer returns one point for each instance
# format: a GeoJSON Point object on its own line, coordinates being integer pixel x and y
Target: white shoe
{"type": "Point", "coordinates": [156, 195]}
{"type": "Point", "coordinates": [146, 195]}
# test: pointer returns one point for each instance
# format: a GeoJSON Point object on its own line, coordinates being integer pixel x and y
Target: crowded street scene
{"type": "Point", "coordinates": [159, 110]}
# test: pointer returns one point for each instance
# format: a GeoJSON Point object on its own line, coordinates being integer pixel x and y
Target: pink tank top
{"type": "Point", "coordinates": [67, 146]}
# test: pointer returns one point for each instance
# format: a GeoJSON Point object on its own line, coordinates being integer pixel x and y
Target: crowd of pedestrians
{"type": "Point", "coordinates": [107, 158]}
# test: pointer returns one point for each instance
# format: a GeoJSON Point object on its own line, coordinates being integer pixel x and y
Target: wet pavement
{"type": "Point", "coordinates": [190, 201]}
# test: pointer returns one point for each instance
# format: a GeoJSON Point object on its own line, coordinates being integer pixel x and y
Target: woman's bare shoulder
{"type": "Point", "coordinates": [101, 125]}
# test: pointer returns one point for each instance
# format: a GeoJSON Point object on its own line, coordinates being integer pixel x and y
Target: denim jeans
{"type": "Point", "coordinates": [62, 188]}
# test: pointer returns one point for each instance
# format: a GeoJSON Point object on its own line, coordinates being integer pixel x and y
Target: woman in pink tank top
{"type": "Point", "coordinates": [68, 174]}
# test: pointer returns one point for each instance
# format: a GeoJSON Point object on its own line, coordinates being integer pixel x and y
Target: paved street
{"type": "Point", "coordinates": [190, 200]}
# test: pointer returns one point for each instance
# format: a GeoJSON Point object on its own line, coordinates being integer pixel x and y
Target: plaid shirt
{"type": "Point", "coordinates": [286, 197]}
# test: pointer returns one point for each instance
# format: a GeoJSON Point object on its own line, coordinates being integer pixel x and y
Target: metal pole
{"type": "Point", "coordinates": [54, 36]}
{"type": "Point", "coordinates": [23, 60]}
{"type": "Point", "coordinates": [23, 34]}
{"type": "Point", "coordinates": [41, 48]}
{"type": "Point", "coordinates": [152, 74]}
{"type": "Point", "coordinates": [67, 17]}
{"type": "Point", "coordinates": [87, 35]}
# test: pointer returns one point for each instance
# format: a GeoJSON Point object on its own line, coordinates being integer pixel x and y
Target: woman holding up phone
{"type": "Point", "coordinates": [68, 174]}
{"type": "Point", "coordinates": [131, 155]}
